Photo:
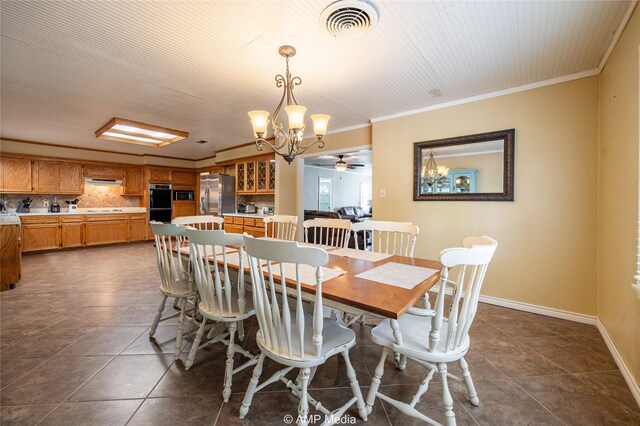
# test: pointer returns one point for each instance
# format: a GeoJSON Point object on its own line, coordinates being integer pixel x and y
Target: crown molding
{"type": "Point", "coordinates": [618, 34]}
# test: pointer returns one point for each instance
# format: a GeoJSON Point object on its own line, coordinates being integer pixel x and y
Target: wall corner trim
{"type": "Point", "coordinates": [624, 369]}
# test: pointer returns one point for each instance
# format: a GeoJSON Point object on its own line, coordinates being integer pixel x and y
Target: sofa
{"type": "Point", "coordinates": [353, 213]}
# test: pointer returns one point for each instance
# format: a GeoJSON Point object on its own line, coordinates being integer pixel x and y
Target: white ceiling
{"type": "Point", "coordinates": [363, 156]}
{"type": "Point", "coordinates": [69, 66]}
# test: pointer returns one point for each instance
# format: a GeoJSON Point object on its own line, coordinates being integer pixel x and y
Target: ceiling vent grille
{"type": "Point", "coordinates": [349, 18]}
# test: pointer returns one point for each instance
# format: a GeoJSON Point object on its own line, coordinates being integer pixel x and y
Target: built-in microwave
{"type": "Point", "coordinates": [182, 195]}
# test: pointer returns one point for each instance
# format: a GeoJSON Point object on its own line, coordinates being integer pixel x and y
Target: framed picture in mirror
{"type": "Point", "coordinates": [476, 167]}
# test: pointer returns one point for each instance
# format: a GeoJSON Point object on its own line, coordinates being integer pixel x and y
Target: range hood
{"type": "Point", "coordinates": [103, 182]}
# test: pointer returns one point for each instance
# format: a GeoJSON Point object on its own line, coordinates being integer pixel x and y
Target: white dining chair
{"type": "Point", "coordinates": [395, 238]}
{"type": "Point", "coordinates": [282, 227]}
{"type": "Point", "coordinates": [222, 298]}
{"type": "Point", "coordinates": [202, 223]}
{"type": "Point", "coordinates": [287, 334]}
{"type": "Point", "coordinates": [174, 280]}
{"type": "Point", "coordinates": [433, 338]}
{"type": "Point", "coordinates": [327, 232]}
{"type": "Point", "coordinates": [398, 238]}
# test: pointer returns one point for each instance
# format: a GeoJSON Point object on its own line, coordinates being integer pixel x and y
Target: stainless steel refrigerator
{"type": "Point", "coordinates": [217, 194]}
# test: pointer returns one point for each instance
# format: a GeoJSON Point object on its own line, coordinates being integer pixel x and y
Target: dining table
{"type": "Point", "coordinates": [353, 294]}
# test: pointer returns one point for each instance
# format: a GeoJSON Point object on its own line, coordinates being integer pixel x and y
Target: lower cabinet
{"type": "Point", "coordinates": [251, 225]}
{"type": "Point", "coordinates": [40, 233]}
{"type": "Point", "coordinates": [137, 226]}
{"type": "Point", "coordinates": [71, 231]}
{"type": "Point", "coordinates": [106, 229]}
{"type": "Point", "coordinates": [184, 208]}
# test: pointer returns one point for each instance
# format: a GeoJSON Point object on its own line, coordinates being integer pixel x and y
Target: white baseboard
{"type": "Point", "coordinates": [624, 369]}
{"type": "Point", "coordinates": [534, 309]}
{"type": "Point", "coordinates": [541, 310]}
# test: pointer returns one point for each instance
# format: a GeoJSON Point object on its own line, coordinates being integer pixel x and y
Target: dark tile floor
{"type": "Point", "coordinates": [74, 351]}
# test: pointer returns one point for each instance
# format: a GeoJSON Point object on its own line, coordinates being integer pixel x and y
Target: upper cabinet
{"type": "Point", "coordinates": [15, 175]}
{"type": "Point", "coordinates": [133, 181]}
{"type": "Point", "coordinates": [57, 177]}
{"type": "Point", "coordinates": [183, 178]}
{"type": "Point", "coordinates": [71, 180]}
{"type": "Point", "coordinates": [159, 175]}
{"type": "Point", "coordinates": [103, 171]}
{"type": "Point", "coordinates": [256, 176]}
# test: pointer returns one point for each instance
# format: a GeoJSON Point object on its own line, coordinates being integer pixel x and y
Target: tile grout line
{"type": "Point", "coordinates": [91, 377]}
{"type": "Point", "coordinates": [527, 393]}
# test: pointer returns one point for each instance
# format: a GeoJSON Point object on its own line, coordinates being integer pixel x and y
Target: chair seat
{"type": "Point", "coordinates": [336, 338]}
{"type": "Point", "coordinates": [214, 313]}
{"type": "Point", "coordinates": [180, 289]}
{"type": "Point", "coordinates": [415, 339]}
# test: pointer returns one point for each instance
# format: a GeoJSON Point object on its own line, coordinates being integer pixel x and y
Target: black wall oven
{"type": "Point", "coordinates": [160, 202]}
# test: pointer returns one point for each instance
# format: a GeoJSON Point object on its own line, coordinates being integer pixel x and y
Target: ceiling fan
{"type": "Point", "coordinates": [341, 165]}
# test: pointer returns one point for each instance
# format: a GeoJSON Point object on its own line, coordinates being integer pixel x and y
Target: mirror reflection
{"type": "Point", "coordinates": [466, 168]}
{"type": "Point", "coordinates": [463, 169]}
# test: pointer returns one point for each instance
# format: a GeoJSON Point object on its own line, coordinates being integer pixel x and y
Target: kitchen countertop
{"type": "Point", "coordinates": [96, 210]}
{"type": "Point", "coordinates": [9, 219]}
{"type": "Point", "coordinates": [258, 215]}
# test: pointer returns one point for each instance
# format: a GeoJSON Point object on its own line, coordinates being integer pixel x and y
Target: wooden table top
{"type": "Point", "coordinates": [370, 296]}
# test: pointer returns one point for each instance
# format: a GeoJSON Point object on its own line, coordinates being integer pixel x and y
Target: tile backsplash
{"type": "Point", "coordinates": [94, 196]}
{"type": "Point", "coordinates": [260, 200]}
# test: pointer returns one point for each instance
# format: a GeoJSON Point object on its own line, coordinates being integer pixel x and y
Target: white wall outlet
{"type": "Point", "coordinates": [46, 203]}
{"type": "Point", "coordinates": [383, 192]}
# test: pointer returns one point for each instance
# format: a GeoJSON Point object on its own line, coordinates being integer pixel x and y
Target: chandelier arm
{"type": "Point", "coordinates": [302, 149]}
{"type": "Point", "coordinates": [260, 142]}
{"type": "Point", "coordinates": [280, 135]}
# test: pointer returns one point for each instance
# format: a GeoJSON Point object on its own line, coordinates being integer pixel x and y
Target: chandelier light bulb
{"type": "Point", "coordinates": [259, 122]}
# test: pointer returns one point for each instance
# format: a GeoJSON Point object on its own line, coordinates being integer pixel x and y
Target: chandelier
{"type": "Point", "coordinates": [287, 143]}
{"type": "Point", "coordinates": [432, 173]}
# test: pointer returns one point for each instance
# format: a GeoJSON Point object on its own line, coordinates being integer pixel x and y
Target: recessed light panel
{"type": "Point", "coordinates": [123, 130]}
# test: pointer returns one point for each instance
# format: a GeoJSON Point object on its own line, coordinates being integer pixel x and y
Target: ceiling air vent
{"type": "Point", "coordinates": [349, 18]}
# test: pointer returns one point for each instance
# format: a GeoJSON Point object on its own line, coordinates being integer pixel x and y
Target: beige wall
{"type": "Point", "coordinates": [618, 308]}
{"type": "Point", "coordinates": [547, 237]}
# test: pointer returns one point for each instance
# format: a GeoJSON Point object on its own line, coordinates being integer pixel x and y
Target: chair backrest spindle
{"type": "Point", "coordinates": [397, 238]}
{"type": "Point", "coordinates": [275, 318]}
{"type": "Point", "coordinates": [281, 227]}
{"type": "Point", "coordinates": [328, 232]}
{"type": "Point", "coordinates": [472, 261]}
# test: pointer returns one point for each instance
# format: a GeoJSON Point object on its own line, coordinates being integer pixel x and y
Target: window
{"type": "Point", "coordinates": [365, 196]}
{"type": "Point", "coordinates": [325, 194]}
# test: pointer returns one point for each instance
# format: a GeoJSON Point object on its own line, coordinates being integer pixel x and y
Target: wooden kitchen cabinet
{"type": "Point", "coordinates": [159, 175]}
{"type": "Point", "coordinates": [103, 171]}
{"type": "Point", "coordinates": [47, 176]}
{"type": "Point", "coordinates": [184, 208]}
{"type": "Point", "coordinates": [15, 175]}
{"type": "Point", "coordinates": [246, 177]}
{"type": "Point", "coordinates": [251, 225]}
{"type": "Point", "coordinates": [106, 229]}
{"type": "Point", "coordinates": [11, 260]}
{"type": "Point", "coordinates": [183, 178]}
{"type": "Point", "coordinates": [57, 177]}
{"type": "Point", "coordinates": [71, 179]}
{"type": "Point", "coordinates": [266, 176]}
{"type": "Point", "coordinates": [137, 226]}
{"type": "Point", "coordinates": [40, 233]}
{"type": "Point", "coordinates": [71, 231]}
{"type": "Point", "coordinates": [256, 176]}
{"type": "Point", "coordinates": [133, 181]}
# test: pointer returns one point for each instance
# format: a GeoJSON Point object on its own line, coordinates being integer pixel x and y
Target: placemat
{"type": "Point", "coordinates": [370, 256]}
{"type": "Point", "coordinates": [398, 274]}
